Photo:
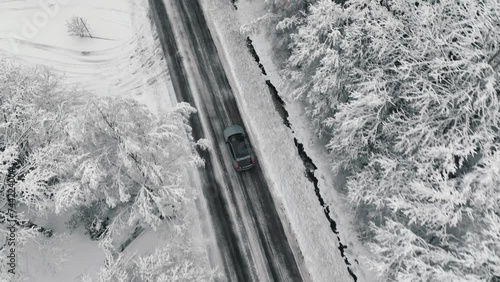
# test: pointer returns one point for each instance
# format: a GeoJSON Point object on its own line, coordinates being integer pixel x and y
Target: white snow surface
{"type": "Point", "coordinates": [125, 60]}
{"type": "Point", "coordinates": [277, 153]}
{"type": "Point", "coordinates": [72, 254]}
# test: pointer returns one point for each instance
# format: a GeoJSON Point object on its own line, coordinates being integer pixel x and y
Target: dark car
{"type": "Point", "coordinates": [239, 147]}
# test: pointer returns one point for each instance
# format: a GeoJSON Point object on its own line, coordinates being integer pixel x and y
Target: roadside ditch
{"type": "Point", "coordinates": [309, 165]}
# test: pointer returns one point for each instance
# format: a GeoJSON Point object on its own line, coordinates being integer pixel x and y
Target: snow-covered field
{"type": "Point", "coordinates": [278, 154]}
{"type": "Point", "coordinates": [123, 59]}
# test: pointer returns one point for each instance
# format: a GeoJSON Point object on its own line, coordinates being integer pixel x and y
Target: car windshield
{"type": "Point", "coordinates": [239, 145]}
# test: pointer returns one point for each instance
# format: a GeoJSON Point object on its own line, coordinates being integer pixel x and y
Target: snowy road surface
{"type": "Point", "coordinates": [250, 235]}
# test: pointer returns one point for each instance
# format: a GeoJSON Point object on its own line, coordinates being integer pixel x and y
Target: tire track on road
{"type": "Point", "coordinates": [262, 220]}
{"type": "Point", "coordinates": [233, 261]}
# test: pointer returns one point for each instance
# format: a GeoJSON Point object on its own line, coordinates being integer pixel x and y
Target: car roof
{"type": "Point", "coordinates": [239, 146]}
{"type": "Point", "coordinates": [233, 129]}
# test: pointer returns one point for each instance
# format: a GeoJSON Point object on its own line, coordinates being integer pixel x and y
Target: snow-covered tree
{"type": "Point", "coordinates": [169, 263]}
{"type": "Point", "coordinates": [78, 26]}
{"type": "Point", "coordinates": [29, 122]}
{"type": "Point", "coordinates": [128, 155]}
{"type": "Point", "coordinates": [66, 148]}
{"type": "Point", "coordinates": [407, 91]}
{"type": "Point", "coordinates": [288, 14]}
{"type": "Point", "coordinates": [29, 244]}
{"type": "Point", "coordinates": [402, 255]}
{"type": "Point", "coordinates": [485, 246]}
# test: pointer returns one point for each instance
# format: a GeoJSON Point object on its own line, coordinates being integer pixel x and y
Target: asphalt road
{"type": "Point", "coordinates": [250, 236]}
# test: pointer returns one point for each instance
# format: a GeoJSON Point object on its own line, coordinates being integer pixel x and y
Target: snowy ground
{"type": "Point", "coordinates": [124, 60]}
{"type": "Point", "coordinates": [278, 154]}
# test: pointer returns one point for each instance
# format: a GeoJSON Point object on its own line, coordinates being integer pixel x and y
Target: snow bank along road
{"type": "Point", "coordinates": [250, 236]}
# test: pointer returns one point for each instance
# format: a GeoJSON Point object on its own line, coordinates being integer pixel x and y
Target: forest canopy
{"type": "Point", "coordinates": [407, 93]}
